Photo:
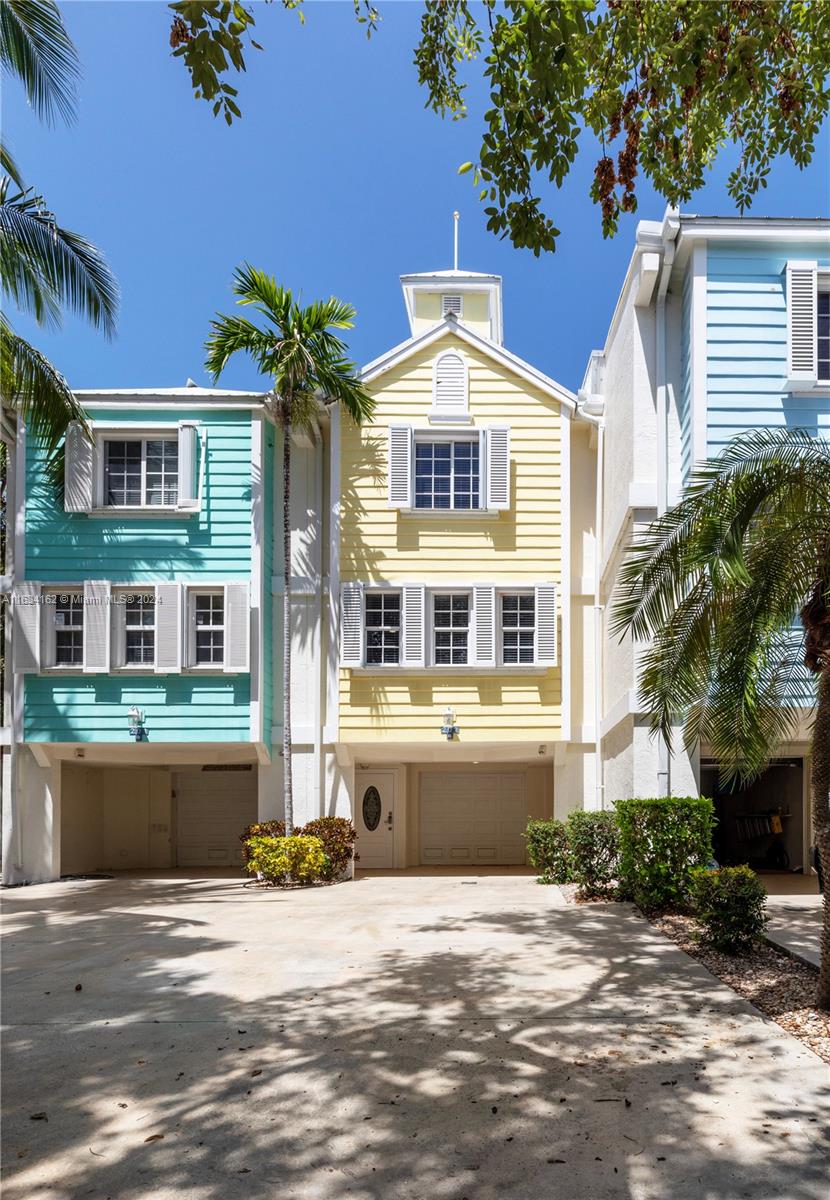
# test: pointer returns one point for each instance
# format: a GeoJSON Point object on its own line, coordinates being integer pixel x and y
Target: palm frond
{"type": "Point", "coordinates": [9, 167]}
{"type": "Point", "coordinates": [47, 268]}
{"type": "Point", "coordinates": [35, 46]}
{"type": "Point", "coordinates": [37, 391]}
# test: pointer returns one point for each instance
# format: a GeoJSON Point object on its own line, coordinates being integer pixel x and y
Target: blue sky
{"type": "Point", "coordinates": [336, 180]}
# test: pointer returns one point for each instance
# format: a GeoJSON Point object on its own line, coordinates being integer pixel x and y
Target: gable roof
{"type": "Point", "coordinates": [404, 350]}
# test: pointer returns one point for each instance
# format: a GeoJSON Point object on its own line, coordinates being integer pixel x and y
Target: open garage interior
{"type": "Point", "coordinates": [147, 817]}
{"type": "Point", "coordinates": [765, 824]}
{"type": "Point", "coordinates": [448, 816]}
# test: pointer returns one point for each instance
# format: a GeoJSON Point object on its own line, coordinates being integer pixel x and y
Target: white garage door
{"type": "Point", "coordinates": [475, 817]}
{"type": "Point", "coordinates": [212, 809]}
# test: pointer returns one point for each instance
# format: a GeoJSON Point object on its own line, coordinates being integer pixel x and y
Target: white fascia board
{"type": "Point", "coordinates": [790, 229]}
{"type": "Point", "coordinates": [398, 354]}
{"type": "Point", "coordinates": [184, 393]}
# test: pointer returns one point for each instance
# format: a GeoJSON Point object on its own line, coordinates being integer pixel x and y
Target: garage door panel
{"type": "Point", "coordinates": [473, 817]}
{"type": "Point", "coordinates": [212, 810]}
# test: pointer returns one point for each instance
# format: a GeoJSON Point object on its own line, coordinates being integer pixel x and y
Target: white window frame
{"type": "Point", "coordinates": [380, 591]}
{"type": "Point", "coordinates": [142, 438]}
{"type": "Point", "coordinates": [120, 596]}
{"type": "Point", "coordinates": [428, 436]}
{"type": "Point", "coordinates": [49, 629]}
{"type": "Point", "coordinates": [500, 596]}
{"type": "Point", "coordinates": [433, 594]}
{"type": "Point", "coordinates": [193, 592]}
{"type": "Point", "coordinates": [822, 289]}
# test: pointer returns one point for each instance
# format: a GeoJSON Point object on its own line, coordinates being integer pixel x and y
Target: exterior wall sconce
{"type": "Point", "coordinates": [449, 728]}
{"type": "Point", "coordinates": [135, 723]}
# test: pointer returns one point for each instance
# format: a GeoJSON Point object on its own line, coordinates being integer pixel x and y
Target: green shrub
{"type": "Point", "coordinates": [283, 860]}
{"type": "Point", "coordinates": [594, 851]}
{"type": "Point", "coordinates": [662, 840]}
{"type": "Point", "coordinates": [729, 903]}
{"type": "Point", "coordinates": [547, 849]}
{"type": "Point", "coordinates": [338, 836]}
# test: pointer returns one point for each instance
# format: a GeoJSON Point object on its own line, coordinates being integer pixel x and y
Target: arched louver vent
{"type": "Point", "coordinates": [450, 384]}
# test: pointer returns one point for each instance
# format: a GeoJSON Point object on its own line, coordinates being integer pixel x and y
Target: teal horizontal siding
{"type": "Point", "coordinates": [178, 708]}
{"type": "Point", "coordinates": [746, 367]}
{"type": "Point", "coordinates": [214, 544]}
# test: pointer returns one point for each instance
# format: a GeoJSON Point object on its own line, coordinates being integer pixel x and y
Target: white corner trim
{"type": "Point", "coordinates": [20, 482]}
{"type": "Point", "coordinates": [565, 589]}
{"type": "Point", "coordinates": [256, 603]}
{"type": "Point", "coordinates": [332, 668]}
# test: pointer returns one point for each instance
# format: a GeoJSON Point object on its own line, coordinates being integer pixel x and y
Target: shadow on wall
{"type": "Point", "coordinates": [401, 1073]}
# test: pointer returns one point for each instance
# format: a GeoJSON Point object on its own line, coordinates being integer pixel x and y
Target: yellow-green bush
{"type": "Point", "coordinates": [285, 860]}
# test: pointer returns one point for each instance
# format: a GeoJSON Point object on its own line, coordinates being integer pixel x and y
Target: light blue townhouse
{"type": "Point", "coordinates": [139, 706]}
{"type": "Point", "coordinates": [722, 326]}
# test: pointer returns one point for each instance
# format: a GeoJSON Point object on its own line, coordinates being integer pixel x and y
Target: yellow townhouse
{"type": "Point", "coordinates": [454, 559]}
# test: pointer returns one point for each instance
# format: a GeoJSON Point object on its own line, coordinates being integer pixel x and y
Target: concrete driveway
{"type": "Point", "coordinates": [428, 1038]}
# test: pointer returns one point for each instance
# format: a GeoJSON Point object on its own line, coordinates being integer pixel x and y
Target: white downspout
{"type": "Point", "coordinates": [671, 226]}
{"type": "Point", "coordinates": [599, 620]}
{"type": "Point", "coordinates": [319, 673]}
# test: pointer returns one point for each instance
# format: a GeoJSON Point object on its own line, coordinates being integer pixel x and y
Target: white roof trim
{"type": "Point", "coordinates": [379, 366]}
{"type": "Point", "coordinates": [187, 393]}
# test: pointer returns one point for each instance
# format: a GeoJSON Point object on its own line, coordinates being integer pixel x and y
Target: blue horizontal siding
{"type": "Point", "coordinates": [178, 708]}
{"type": "Point", "coordinates": [746, 367]}
{"type": "Point", "coordinates": [214, 544]}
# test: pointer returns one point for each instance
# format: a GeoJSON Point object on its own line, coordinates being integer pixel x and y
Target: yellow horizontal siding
{"type": "Point", "coordinates": [488, 708]}
{"type": "Point", "coordinates": [521, 545]}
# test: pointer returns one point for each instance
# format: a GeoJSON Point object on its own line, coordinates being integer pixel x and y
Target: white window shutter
{"type": "Point", "coordinates": [802, 321]}
{"type": "Point", "coordinates": [546, 639]}
{"type": "Point", "coordinates": [188, 461]}
{"type": "Point", "coordinates": [351, 625]}
{"type": "Point", "coordinates": [79, 471]}
{"type": "Point", "coordinates": [237, 628]}
{"type": "Point", "coordinates": [96, 627]}
{"type": "Point", "coordinates": [168, 628]}
{"type": "Point", "coordinates": [412, 606]}
{"type": "Point", "coordinates": [400, 466]}
{"type": "Point", "coordinates": [498, 467]}
{"type": "Point", "coordinates": [484, 611]}
{"type": "Point", "coordinates": [450, 394]}
{"type": "Point", "coordinates": [26, 608]}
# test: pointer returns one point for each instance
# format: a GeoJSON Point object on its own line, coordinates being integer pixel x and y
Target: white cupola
{"type": "Point", "coordinates": [468, 297]}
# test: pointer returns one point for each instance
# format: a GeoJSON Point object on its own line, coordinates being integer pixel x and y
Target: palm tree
{"type": "Point", "coordinates": [713, 586]}
{"type": "Point", "coordinates": [299, 351]}
{"type": "Point", "coordinates": [45, 269]}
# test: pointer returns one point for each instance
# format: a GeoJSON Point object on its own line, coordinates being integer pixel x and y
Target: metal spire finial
{"type": "Point", "coordinates": [455, 241]}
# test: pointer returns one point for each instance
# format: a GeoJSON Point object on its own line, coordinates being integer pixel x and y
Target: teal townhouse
{"type": "Point", "coordinates": [141, 712]}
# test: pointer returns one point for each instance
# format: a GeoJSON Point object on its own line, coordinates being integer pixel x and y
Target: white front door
{"type": "Point", "coordinates": [374, 818]}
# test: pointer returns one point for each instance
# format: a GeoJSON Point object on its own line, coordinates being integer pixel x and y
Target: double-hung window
{"type": "Point", "coordinates": [141, 472]}
{"type": "Point", "coordinates": [209, 629]}
{"type": "Point", "coordinates": [68, 626]}
{"type": "Point", "coordinates": [518, 628]}
{"type": "Point", "coordinates": [823, 339]}
{"type": "Point", "coordinates": [451, 628]}
{"type": "Point", "coordinates": [139, 629]}
{"type": "Point", "coordinates": [447, 474]}
{"type": "Point", "coordinates": [383, 628]}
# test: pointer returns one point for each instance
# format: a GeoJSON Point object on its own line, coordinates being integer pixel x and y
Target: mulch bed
{"type": "Point", "coordinates": [780, 987]}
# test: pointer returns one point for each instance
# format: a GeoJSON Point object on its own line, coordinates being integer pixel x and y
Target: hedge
{"type": "Point", "coordinates": [593, 841]}
{"type": "Point", "coordinates": [662, 840]}
{"type": "Point", "coordinates": [547, 849]}
{"type": "Point", "coordinates": [729, 903]}
{"type": "Point", "coordinates": [337, 835]}
{"type": "Point", "coordinates": [284, 860]}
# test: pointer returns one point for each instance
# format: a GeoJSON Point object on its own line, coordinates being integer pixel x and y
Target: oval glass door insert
{"type": "Point", "coordinates": [371, 808]}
